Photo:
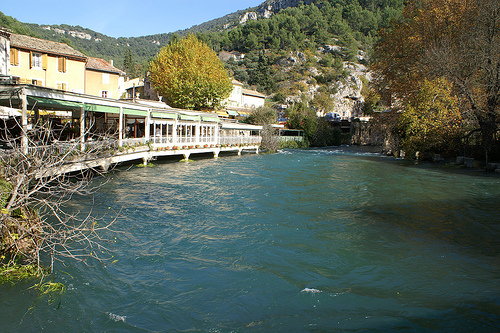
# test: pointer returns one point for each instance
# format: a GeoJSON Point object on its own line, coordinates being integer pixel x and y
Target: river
{"type": "Point", "coordinates": [301, 241]}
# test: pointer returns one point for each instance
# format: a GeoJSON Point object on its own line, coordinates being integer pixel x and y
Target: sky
{"type": "Point", "coordinates": [124, 18]}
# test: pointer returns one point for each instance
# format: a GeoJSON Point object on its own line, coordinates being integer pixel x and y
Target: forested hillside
{"type": "Point", "coordinates": [351, 24]}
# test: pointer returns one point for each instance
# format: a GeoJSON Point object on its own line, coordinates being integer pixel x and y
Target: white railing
{"type": "Point", "coordinates": [291, 138]}
{"type": "Point", "coordinates": [232, 140]}
{"type": "Point", "coordinates": [134, 142]}
{"type": "Point", "coordinates": [61, 148]}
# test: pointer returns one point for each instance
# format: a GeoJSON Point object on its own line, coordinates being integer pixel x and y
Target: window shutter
{"type": "Point", "coordinates": [31, 59]}
{"type": "Point", "coordinates": [62, 64]}
{"type": "Point", "coordinates": [14, 57]}
{"type": "Point", "coordinates": [44, 61]}
{"type": "Point", "coordinates": [64, 87]}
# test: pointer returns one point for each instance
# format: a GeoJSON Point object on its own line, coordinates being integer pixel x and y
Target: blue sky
{"type": "Point", "coordinates": [124, 18]}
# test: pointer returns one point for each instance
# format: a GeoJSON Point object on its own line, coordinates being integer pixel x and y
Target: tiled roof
{"type": "Point", "coordinates": [252, 93]}
{"type": "Point", "coordinates": [44, 46]}
{"type": "Point", "coordinates": [102, 65]}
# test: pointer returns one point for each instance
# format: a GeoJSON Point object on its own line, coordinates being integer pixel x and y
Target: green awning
{"type": "Point", "coordinates": [163, 115]}
{"type": "Point", "coordinates": [53, 103]}
{"type": "Point", "coordinates": [101, 108]}
{"type": "Point", "coordinates": [213, 119]}
{"type": "Point", "coordinates": [232, 113]}
{"type": "Point", "coordinates": [132, 112]}
{"type": "Point", "coordinates": [190, 118]}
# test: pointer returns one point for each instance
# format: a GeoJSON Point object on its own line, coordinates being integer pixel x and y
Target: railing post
{"type": "Point", "coordinates": [147, 129]}
{"type": "Point", "coordinates": [120, 128]}
{"type": "Point", "coordinates": [24, 121]}
{"type": "Point", "coordinates": [82, 129]}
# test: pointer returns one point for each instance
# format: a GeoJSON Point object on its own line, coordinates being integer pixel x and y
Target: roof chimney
{"type": "Point", "coordinates": [111, 62]}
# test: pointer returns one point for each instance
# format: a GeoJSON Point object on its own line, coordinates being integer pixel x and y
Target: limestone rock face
{"type": "Point", "coordinates": [267, 10]}
{"type": "Point", "coordinates": [248, 16]}
{"type": "Point", "coordinates": [348, 100]}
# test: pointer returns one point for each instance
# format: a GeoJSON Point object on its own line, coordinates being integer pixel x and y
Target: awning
{"type": "Point", "coordinates": [6, 112]}
{"type": "Point", "coordinates": [101, 108]}
{"type": "Point", "coordinates": [50, 103]}
{"type": "Point", "coordinates": [132, 112]}
{"type": "Point", "coordinates": [210, 118]}
{"type": "Point", "coordinates": [164, 115]}
{"type": "Point", "coordinates": [190, 118]}
{"type": "Point", "coordinates": [232, 113]}
{"type": "Point", "coordinates": [222, 113]}
{"type": "Point", "coordinates": [241, 126]}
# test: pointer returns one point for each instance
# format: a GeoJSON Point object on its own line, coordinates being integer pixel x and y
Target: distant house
{"type": "Point", "coordinates": [236, 98]}
{"type": "Point", "coordinates": [242, 101]}
{"type": "Point", "coordinates": [252, 99]}
{"type": "Point", "coordinates": [141, 89]}
{"type": "Point", "coordinates": [46, 63]}
{"type": "Point", "coordinates": [103, 79]}
{"type": "Point", "coordinates": [235, 55]}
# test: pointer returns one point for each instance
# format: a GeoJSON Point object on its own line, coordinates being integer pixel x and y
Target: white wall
{"type": "Point", "coordinates": [4, 55]}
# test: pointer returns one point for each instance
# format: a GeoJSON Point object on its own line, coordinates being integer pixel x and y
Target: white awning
{"type": "Point", "coordinates": [6, 112]}
{"type": "Point", "coordinates": [241, 126]}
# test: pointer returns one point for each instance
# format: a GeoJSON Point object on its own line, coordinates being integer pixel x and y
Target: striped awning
{"type": "Point", "coordinates": [164, 115]}
{"type": "Point", "coordinates": [232, 113]}
{"type": "Point", "coordinates": [210, 118]}
{"type": "Point", "coordinates": [190, 118]}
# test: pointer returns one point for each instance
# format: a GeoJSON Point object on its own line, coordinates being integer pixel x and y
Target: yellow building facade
{"type": "Point", "coordinates": [103, 79]}
{"type": "Point", "coordinates": [46, 63]}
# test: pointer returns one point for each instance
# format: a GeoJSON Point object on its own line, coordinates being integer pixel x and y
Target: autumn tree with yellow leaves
{"type": "Point", "coordinates": [455, 40]}
{"type": "Point", "coordinates": [189, 75]}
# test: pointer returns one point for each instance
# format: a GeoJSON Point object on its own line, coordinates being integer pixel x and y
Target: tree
{"type": "Point", "coordinates": [35, 221]}
{"type": "Point", "coordinates": [129, 64]}
{"type": "Point", "coordinates": [455, 39]}
{"type": "Point", "coordinates": [432, 121]}
{"type": "Point", "coordinates": [265, 117]}
{"type": "Point", "coordinates": [190, 75]}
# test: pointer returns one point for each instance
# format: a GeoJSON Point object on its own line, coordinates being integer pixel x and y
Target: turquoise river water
{"type": "Point", "coordinates": [330, 240]}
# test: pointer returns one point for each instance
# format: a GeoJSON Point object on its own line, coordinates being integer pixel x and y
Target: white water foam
{"type": "Point", "coordinates": [117, 318]}
{"type": "Point", "coordinates": [311, 290]}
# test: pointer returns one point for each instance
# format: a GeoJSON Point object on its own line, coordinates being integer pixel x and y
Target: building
{"type": "Point", "coordinates": [46, 63]}
{"type": "Point", "coordinates": [252, 99]}
{"type": "Point", "coordinates": [235, 100]}
{"type": "Point", "coordinates": [4, 51]}
{"type": "Point", "coordinates": [235, 55]}
{"type": "Point", "coordinates": [103, 79]}
{"type": "Point", "coordinates": [244, 98]}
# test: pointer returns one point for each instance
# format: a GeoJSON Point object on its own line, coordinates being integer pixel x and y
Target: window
{"type": "Point", "coordinates": [61, 64]}
{"type": "Point", "coordinates": [14, 57]}
{"type": "Point", "coordinates": [36, 82]}
{"type": "Point", "coordinates": [105, 78]}
{"type": "Point", "coordinates": [104, 94]}
{"type": "Point", "coordinates": [62, 86]}
{"type": "Point", "coordinates": [38, 60]}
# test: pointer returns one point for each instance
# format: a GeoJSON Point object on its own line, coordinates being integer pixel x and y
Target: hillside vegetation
{"type": "Point", "coordinates": [351, 24]}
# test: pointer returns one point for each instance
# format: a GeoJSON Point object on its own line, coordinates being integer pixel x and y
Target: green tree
{"type": "Point", "coordinates": [129, 64]}
{"type": "Point", "coordinates": [301, 116]}
{"type": "Point", "coordinates": [431, 122]}
{"type": "Point", "coordinates": [190, 75]}
{"type": "Point", "coordinates": [266, 117]}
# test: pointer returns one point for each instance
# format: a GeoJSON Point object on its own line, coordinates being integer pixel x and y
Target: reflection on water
{"type": "Point", "coordinates": [316, 240]}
